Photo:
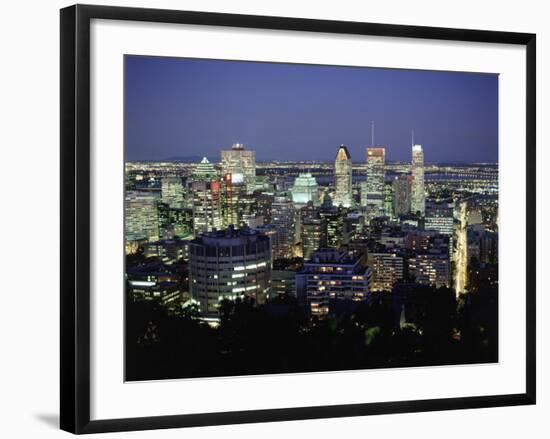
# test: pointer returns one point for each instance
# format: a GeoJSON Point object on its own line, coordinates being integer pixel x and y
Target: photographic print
{"type": "Point", "coordinates": [295, 218]}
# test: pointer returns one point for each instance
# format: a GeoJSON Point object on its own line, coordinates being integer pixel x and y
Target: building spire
{"type": "Point", "coordinates": [372, 132]}
{"type": "Point", "coordinates": [412, 137]}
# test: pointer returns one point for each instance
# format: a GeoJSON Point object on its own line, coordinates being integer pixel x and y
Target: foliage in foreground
{"type": "Point", "coordinates": [278, 338]}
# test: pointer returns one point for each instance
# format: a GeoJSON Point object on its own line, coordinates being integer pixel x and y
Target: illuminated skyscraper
{"type": "Point", "coordinates": [239, 160]}
{"type": "Point", "coordinates": [343, 178]}
{"type": "Point", "coordinates": [141, 220]}
{"type": "Point", "coordinates": [305, 189]}
{"type": "Point", "coordinates": [376, 173]}
{"type": "Point", "coordinates": [440, 218]}
{"type": "Point", "coordinates": [334, 223]}
{"type": "Point", "coordinates": [236, 202]}
{"type": "Point", "coordinates": [207, 201]}
{"type": "Point", "coordinates": [172, 192]}
{"type": "Point", "coordinates": [418, 197]}
{"type": "Point", "coordinates": [313, 235]}
{"type": "Point", "coordinates": [263, 208]}
{"type": "Point", "coordinates": [283, 217]}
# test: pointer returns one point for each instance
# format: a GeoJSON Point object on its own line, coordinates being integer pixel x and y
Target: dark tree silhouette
{"type": "Point", "coordinates": [278, 337]}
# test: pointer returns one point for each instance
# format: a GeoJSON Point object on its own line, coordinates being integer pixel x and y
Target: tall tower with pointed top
{"type": "Point", "coordinates": [418, 196]}
{"type": "Point", "coordinates": [343, 178]}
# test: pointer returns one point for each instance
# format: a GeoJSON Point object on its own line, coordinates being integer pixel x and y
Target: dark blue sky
{"type": "Point", "coordinates": [177, 107]}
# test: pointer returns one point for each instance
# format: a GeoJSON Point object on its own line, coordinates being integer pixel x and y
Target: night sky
{"type": "Point", "coordinates": [177, 107]}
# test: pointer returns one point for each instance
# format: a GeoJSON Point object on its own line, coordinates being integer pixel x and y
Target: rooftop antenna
{"type": "Point", "coordinates": [372, 132]}
{"type": "Point", "coordinates": [412, 137]}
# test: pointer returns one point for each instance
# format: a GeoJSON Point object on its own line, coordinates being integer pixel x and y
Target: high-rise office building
{"type": "Point", "coordinates": [440, 218]}
{"type": "Point", "coordinates": [283, 217]}
{"type": "Point", "coordinates": [240, 161]}
{"type": "Point", "coordinates": [172, 192]}
{"type": "Point", "coordinates": [237, 204]}
{"type": "Point", "coordinates": [313, 235]}
{"type": "Point", "coordinates": [304, 190]}
{"type": "Point", "coordinates": [303, 215]}
{"type": "Point", "coordinates": [263, 202]}
{"type": "Point", "coordinates": [418, 197]}
{"type": "Point", "coordinates": [228, 264]}
{"type": "Point", "coordinates": [207, 206]}
{"type": "Point", "coordinates": [207, 198]}
{"type": "Point", "coordinates": [343, 178]}
{"type": "Point", "coordinates": [334, 223]}
{"type": "Point", "coordinates": [376, 174]}
{"type": "Point", "coordinates": [402, 187]}
{"type": "Point", "coordinates": [141, 219]}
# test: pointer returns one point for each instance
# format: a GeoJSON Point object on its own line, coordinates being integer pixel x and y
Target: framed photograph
{"type": "Point", "coordinates": [268, 219]}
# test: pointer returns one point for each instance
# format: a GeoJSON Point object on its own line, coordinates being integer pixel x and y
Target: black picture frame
{"type": "Point", "coordinates": [75, 217]}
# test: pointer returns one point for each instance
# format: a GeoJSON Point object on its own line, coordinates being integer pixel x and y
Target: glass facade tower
{"type": "Point", "coordinates": [418, 197]}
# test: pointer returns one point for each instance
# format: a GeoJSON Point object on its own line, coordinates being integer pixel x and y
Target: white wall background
{"type": "Point", "coordinates": [29, 169]}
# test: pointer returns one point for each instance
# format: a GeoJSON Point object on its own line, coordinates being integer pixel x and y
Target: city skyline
{"type": "Point", "coordinates": [177, 108]}
{"type": "Point", "coordinates": [241, 265]}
